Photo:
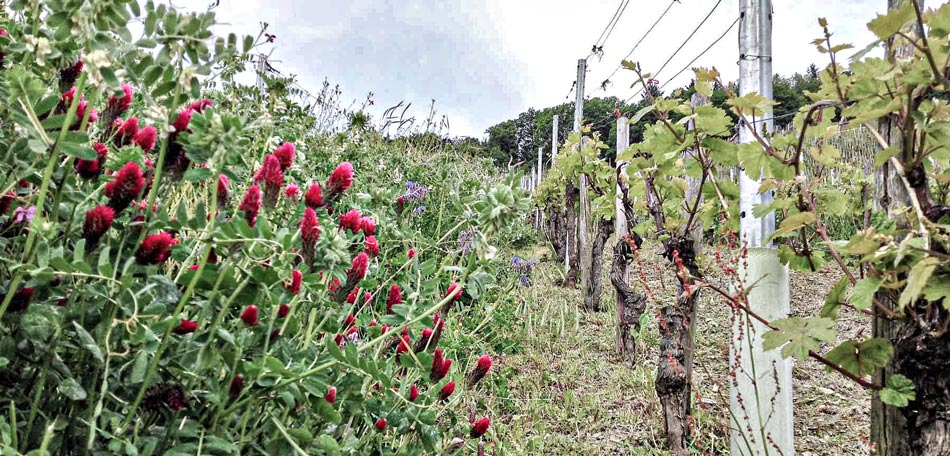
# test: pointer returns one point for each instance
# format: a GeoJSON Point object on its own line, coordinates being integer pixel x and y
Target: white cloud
{"type": "Point", "coordinates": [484, 62]}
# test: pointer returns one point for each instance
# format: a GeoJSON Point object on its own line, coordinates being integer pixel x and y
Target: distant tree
{"type": "Point", "coordinates": [652, 90]}
{"type": "Point", "coordinates": [502, 141]}
{"type": "Point", "coordinates": [525, 132]}
{"type": "Point", "coordinates": [791, 93]}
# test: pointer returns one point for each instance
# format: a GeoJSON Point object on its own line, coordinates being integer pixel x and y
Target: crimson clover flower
{"type": "Point", "coordinates": [423, 341]}
{"type": "Point", "coordinates": [440, 366]}
{"type": "Point", "coordinates": [309, 234]}
{"type": "Point", "coordinates": [126, 131]}
{"type": "Point", "coordinates": [273, 177]}
{"type": "Point", "coordinates": [446, 391]}
{"type": "Point", "coordinates": [146, 138]}
{"type": "Point", "coordinates": [372, 246]}
{"type": "Point", "coordinates": [249, 315]}
{"type": "Point", "coordinates": [237, 385]}
{"type": "Point", "coordinates": [98, 220]}
{"type": "Point", "coordinates": [481, 368]}
{"type": "Point", "coordinates": [368, 226]}
{"type": "Point", "coordinates": [351, 221]}
{"type": "Point", "coordinates": [341, 178]}
{"type": "Point", "coordinates": [116, 106]}
{"type": "Point", "coordinates": [285, 154]}
{"type": "Point", "coordinates": [126, 187]}
{"type": "Point", "coordinates": [251, 204]}
{"type": "Point", "coordinates": [292, 191]}
{"type": "Point", "coordinates": [21, 299]}
{"type": "Point", "coordinates": [155, 248]}
{"type": "Point", "coordinates": [455, 291]}
{"type": "Point", "coordinates": [224, 190]}
{"type": "Point", "coordinates": [182, 121]}
{"type": "Point", "coordinates": [296, 277]}
{"type": "Point", "coordinates": [358, 269]}
{"type": "Point", "coordinates": [480, 427]}
{"type": "Point", "coordinates": [68, 75]}
{"type": "Point", "coordinates": [186, 326]}
{"type": "Point", "coordinates": [314, 197]}
{"type": "Point", "coordinates": [395, 297]}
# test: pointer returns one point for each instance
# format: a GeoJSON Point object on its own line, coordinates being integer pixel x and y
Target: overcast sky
{"type": "Point", "coordinates": [486, 61]}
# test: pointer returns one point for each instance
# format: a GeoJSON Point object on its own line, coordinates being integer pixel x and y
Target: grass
{"type": "Point", "coordinates": [566, 390]}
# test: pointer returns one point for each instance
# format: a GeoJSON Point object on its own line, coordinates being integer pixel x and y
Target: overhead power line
{"type": "Point", "coordinates": [609, 28]}
{"type": "Point", "coordinates": [691, 62]}
{"type": "Point", "coordinates": [603, 85]}
{"type": "Point", "coordinates": [616, 21]}
{"type": "Point", "coordinates": [690, 36]}
{"type": "Point", "coordinates": [700, 55]}
{"type": "Point", "coordinates": [696, 29]}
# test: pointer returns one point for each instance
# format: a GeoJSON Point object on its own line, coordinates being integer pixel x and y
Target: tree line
{"type": "Point", "coordinates": [518, 139]}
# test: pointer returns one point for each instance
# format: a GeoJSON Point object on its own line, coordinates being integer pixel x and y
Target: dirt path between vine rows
{"type": "Point", "coordinates": [568, 392]}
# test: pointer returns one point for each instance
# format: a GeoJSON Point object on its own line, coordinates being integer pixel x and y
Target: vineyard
{"type": "Point", "coordinates": [190, 264]}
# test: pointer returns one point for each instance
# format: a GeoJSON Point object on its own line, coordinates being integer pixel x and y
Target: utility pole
{"type": "Point", "coordinates": [761, 400]}
{"type": "Point", "coordinates": [583, 219]}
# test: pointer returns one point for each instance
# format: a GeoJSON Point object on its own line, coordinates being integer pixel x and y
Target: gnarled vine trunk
{"type": "Point", "coordinates": [592, 298]}
{"type": "Point", "coordinates": [571, 228]}
{"type": "Point", "coordinates": [923, 426]}
{"type": "Point", "coordinates": [919, 336]}
{"type": "Point", "coordinates": [675, 367]}
{"type": "Point", "coordinates": [554, 230]}
{"type": "Point", "coordinates": [630, 306]}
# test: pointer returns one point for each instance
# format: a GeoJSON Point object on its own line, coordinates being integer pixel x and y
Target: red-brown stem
{"type": "Point", "coordinates": [811, 354]}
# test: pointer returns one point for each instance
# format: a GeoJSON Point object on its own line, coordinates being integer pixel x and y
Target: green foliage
{"type": "Point", "coordinates": [190, 319]}
{"type": "Point", "coordinates": [899, 391]}
{"type": "Point", "coordinates": [891, 259]}
{"type": "Point", "coordinates": [797, 336]}
{"type": "Point", "coordinates": [861, 358]}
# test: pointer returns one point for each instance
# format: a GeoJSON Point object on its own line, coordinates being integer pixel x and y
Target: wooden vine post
{"type": "Point", "coordinates": [694, 236]}
{"type": "Point", "coordinates": [630, 304]}
{"type": "Point", "coordinates": [571, 192]}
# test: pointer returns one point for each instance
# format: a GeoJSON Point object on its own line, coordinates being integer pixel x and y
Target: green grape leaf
{"type": "Point", "coordinates": [917, 280]}
{"type": "Point", "coordinates": [861, 244]}
{"type": "Point", "coordinates": [938, 288]}
{"type": "Point", "coordinates": [887, 25]}
{"type": "Point", "coordinates": [862, 296]}
{"type": "Point", "coordinates": [835, 298]}
{"type": "Point", "coordinates": [861, 358]}
{"type": "Point", "coordinates": [798, 335]}
{"type": "Point", "coordinates": [794, 222]}
{"type": "Point", "coordinates": [899, 391]}
{"type": "Point", "coordinates": [939, 22]}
